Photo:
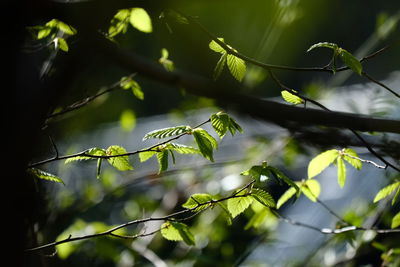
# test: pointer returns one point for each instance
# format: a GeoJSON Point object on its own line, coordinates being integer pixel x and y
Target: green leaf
{"type": "Point", "coordinates": [128, 83]}
{"type": "Point", "coordinates": [396, 221]}
{"type": "Point", "coordinates": [205, 142]}
{"type": "Point", "coordinates": [98, 168]}
{"type": "Point", "coordinates": [213, 45]}
{"type": "Point", "coordinates": [144, 156]}
{"type": "Point", "coordinates": [263, 197]}
{"type": "Point", "coordinates": [162, 158]}
{"type": "Point", "coordinates": [45, 175]}
{"type": "Point", "coordinates": [236, 66]}
{"type": "Point", "coordinates": [43, 32]}
{"type": "Point", "coordinates": [323, 44]}
{"type": "Point", "coordinates": [127, 120]}
{"type": "Point", "coordinates": [311, 189]}
{"type": "Point", "coordinates": [167, 63]}
{"type": "Point", "coordinates": [62, 44]}
{"type": "Point", "coordinates": [351, 61]}
{"type": "Point", "coordinates": [386, 191]}
{"type": "Point", "coordinates": [341, 171]}
{"type": "Point", "coordinates": [95, 151]}
{"type": "Point", "coordinates": [285, 197]}
{"type": "Point", "coordinates": [226, 212]}
{"type": "Point", "coordinates": [356, 163]}
{"type": "Point", "coordinates": [140, 20]}
{"type": "Point", "coordinates": [234, 126]}
{"type": "Point", "coordinates": [281, 176]}
{"type": "Point", "coordinates": [121, 163]}
{"type": "Point", "coordinates": [176, 231]}
{"type": "Point", "coordinates": [291, 98]}
{"type": "Point", "coordinates": [220, 122]}
{"type": "Point", "coordinates": [67, 29]}
{"type": "Point", "coordinates": [119, 23]}
{"type": "Point", "coordinates": [321, 162]}
{"type": "Point", "coordinates": [396, 196]}
{"type": "Point", "coordinates": [196, 201]}
{"type": "Point", "coordinates": [182, 149]}
{"type": "Point", "coordinates": [259, 216]}
{"type": "Point", "coordinates": [239, 204]}
{"type": "Point", "coordinates": [220, 66]}
{"type": "Point", "coordinates": [168, 132]}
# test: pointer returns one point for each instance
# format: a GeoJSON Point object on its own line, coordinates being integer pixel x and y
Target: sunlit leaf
{"type": "Point", "coordinates": [45, 175]}
{"type": "Point", "coordinates": [128, 83]}
{"type": "Point", "coordinates": [182, 149]}
{"type": "Point", "coordinates": [226, 212]}
{"type": "Point", "coordinates": [236, 66]}
{"type": "Point", "coordinates": [168, 132]}
{"type": "Point", "coordinates": [321, 162]}
{"type": "Point", "coordinates": [356, 163]}
{"type": "Point", "coordinates": [396, 196]}
{"type": "Point", "coordinates": [95, 151]}
{"type": "Point", "coordinates": [311, 189]}
{"type": "Point", "coordinates": [239, 204]}
{"type": "Point", "coordinates": [162, 158]}
{"type": "Point", "coordinates": [323, 44]}
{"type": "Point", "coordinates": [216, 47]}
{"type": "Point", "coordinates": [258, 217]}
{"type": "Point", "coordinates": [263, 197]}
{"type": "Point", "coordinates": [144, 156]}
{"type": "Point", "coordinates": [197, 201]}
{"type": "Point", "coordinates": [386, 191]}
{"type": "Point", "coordinates": [220, 122]}
{"type": "Point", "coordinates": [176, 231]}
{"type": "Point", "coordinates": [341, 171]}
{"type": "Point", "coordinates": [396, 221]}
{"type": "Point", "coordinates": [62, 44]}
{"type": "Point", "coordinates": [127, 120]}
{"type": "Point", "coordinates": [291, 98]}
{"type": "Point", "coordinates": [119, 23]}
{"type": "Point", "coordinates": [121, 163]}
{"type": "Point", "coordinates": [234, 126]}
{"type": "Point", "coordinates": [140, 20]}
{"type": "Point", "coordinates": [205, 142]}
{"type": "Point", "coordinates": [286, 196]}
{"type": "Point", "coordinates": [167, 63]}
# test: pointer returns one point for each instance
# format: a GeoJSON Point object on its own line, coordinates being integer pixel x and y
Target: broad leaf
{"type": "Point", "coordinates": [220, 66]}
{"type": "Point", "coordinates": [220, 122]}
{"type": "Point", "coordinates": [356, 163]}
{"type": "Point", "coordinates": [386, 191]}
{"type": "Point", "coordinates": [167, 63]}
{"type": "Point", "coordinates": [291, 98]}
{"type": "Point", "coordinates": [234, 126]}
{"type": "Point", "coordinates": [62, 44]}
{"type": "Point", "coordinates": [351, 61]}
{"type": "Point", "coordinates": [321, 162]}
{"type": "Point", "coordinates": [286, 196]}
{"type": "Point", "coordinates": [121, 163]}
{"type": "Point", "coordinates": [45, 175]}
{"type": "Point", "coordinates": [216, 47]}
{"type": "Point", "coordinates": [162, 158]}
{"type": "Point", "coordinates": [176, 231]}
{"type": "Point", "coordinates": [128, 83]}
{"type": "Point", "coordinates": [140, 20]}
{"type": "Point", "coordinates": [182, 149]}
{"type": "Point", "coordinates": [167, 132]}
{"type": "Point", "coordinates": [341, 171]}
{"type": "Point", "coordinates": [226, 212]}
{"type": "Point", "coordinates": [396, 221]}
{"type": "Point", "coordinates": [197, 201]}
{"type": "Point", "coordinates": [239, 204]}
{"type": "Point", "coordinates": [236, 66]}
{"type": "Point", "coordinates": [205, 142]}
{"type": "Point", "coordinates": [144, 156]}
{"type": "Point", "coordinates": [119, 23]}
{"type": "Point", "coordinates": [263, 197]}
{"type": "Point", "coordinates": [311, 189]}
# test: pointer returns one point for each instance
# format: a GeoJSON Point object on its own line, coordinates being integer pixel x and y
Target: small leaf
{"type": "Point", "coordinates": [263, 197]}
{"type": "Point", "coordinates": [121, 163]}
{"type": "Point", "coordinates": [220, 122]}
{"type": "Point", "coordinates": [168, 132]}
{"type": "Point", "coordinates": [95, 151]}
{"type": "Point", "coordinates": [197, 201]}
{"type": "Point", "coordinates": [220, 66]}
{"type": "Point", "coordinates": [162, 158]}
{"type": "Point", "coordinates": [234, 126]}
{"type": "Point", "coordinates": [396, 221]}
{"type": "Point", "coordinates": [67, 29]}
{"type": "Point", "coordinates": [44, 32]}
{"type": "Point", "coordinates": [176, 231]}
{"type": "Point", "coordinates": [351, 61]}
{"type": "Point", "coordinates": [144, 156]}
{"type": "Point", "coordinates": [356, 163]}
{"type": "Point", "coordinates": [323, 44]}
{"type": "Point", "coordinates": [167, 63]}
{"type": "Point", "coordinates": [386, 191]}
{"type": "Point", "coordinates": [286, 196]}
{"type": "Point", "coordinates": [62, 44]}
{"type": "Point", "coordinates": [291, 98]}
{"type": "Point", "coordinates": [396, 196]}
{"type": "Point", "coordinates": [226, 212]}
{"type": "Point", "coordinates": [258, 217]}
{"type": "Point", "coordinates": [140, 20]}
{"type": "Point", "coordinates": [45, 175]}
{"type": "Point", "coordinates": [341, 172]}
{"type": "Point", "coordinates": [239, 204]}
{"type": "Point", "coordinates": [182, 149]}
{"type": "Point", "coordinates": [216, 47]}
{"type": "Point", "coordinates": [236, 66]}
{"type": "Point", "coordinates": [127, 120]}
{"type": "Point", "coordinates": [311, 189]}
{"type": "Point", "coordinates": [204, 144]}
{"type": "Point", "coordinates": [321, 162]}
{"type": "Point", "coordinates": [119, 23]}
{"type": "Point", "coordinates": [128, 83]}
